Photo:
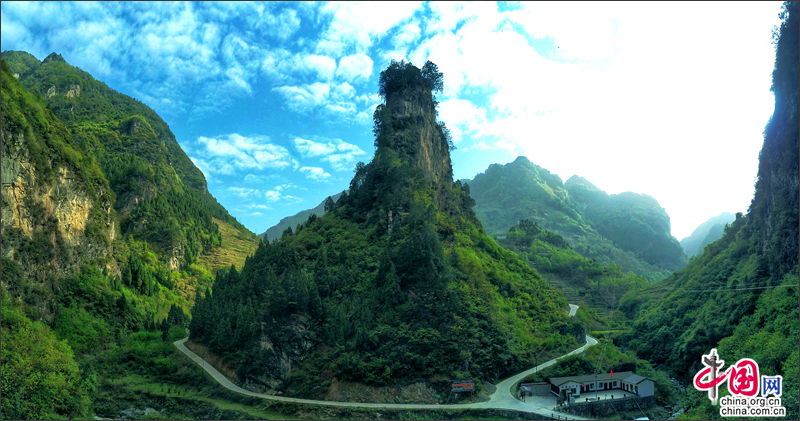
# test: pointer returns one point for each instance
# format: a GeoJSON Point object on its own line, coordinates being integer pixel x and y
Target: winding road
{"type": "Point", "coordinates": [500, 399]}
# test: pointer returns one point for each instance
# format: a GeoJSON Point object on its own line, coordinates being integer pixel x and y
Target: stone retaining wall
{"type": "Point", "coordinates": [604, 408]}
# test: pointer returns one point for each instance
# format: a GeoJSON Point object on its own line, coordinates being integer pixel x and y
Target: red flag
{"type": "Point", "coordinates": [612, 373]}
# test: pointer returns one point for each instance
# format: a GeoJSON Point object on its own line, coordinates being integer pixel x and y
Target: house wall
{"type": "Point", "coordinates": [646, 388]}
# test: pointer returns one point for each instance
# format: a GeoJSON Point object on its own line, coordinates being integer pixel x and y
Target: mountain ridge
{"type": "Point", "coordinates": [506, 194]}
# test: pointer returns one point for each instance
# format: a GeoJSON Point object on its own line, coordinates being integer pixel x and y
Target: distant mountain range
{"type": "Point", "coordinates": [275, 232]}
{"type": "Point", "coordinates": [706, 233]}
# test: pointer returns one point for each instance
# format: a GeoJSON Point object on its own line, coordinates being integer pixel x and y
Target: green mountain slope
{"type": "Point", "coordinates": [505, 194]}
{"type": "Point", "coordinates": [79, 287]}
{"type": "Point", "coordinates": [633, 222]}
{"type": "Point", "coordinates": [276, 231]}
{"type": "Point", "coordinates": [581, 279]}
{"type": "Point", "coordinates": [398, 284]}
{"type": "Point", "coordinates": [740, 295]}
{"type": "Point", "coordinates": [161, 197]}
{"type": "Point", "coordinates": [706, 233]}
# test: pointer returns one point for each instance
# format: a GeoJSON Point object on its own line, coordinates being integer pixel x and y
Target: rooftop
{"type": "Point", "coordinates": [628, 376]}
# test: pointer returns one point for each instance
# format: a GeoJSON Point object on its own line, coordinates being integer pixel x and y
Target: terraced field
{"type": "Point", "coordinates": [236, 246]}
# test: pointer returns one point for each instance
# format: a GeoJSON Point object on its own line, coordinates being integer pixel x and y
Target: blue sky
{"type": "Point", "coordinates": [273, 101]}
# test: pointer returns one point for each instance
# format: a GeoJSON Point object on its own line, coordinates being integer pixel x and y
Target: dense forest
{"type": "Point", "coordinates": [740, 295]}
{"type": "Point", "coordinates": [581, 279]}
{"type": "Point", "coordinates": [396, 283]}
{"type": "Point", "coordinates": [88, 296]}
{"type": "Point", "coordinates": [628, 229]}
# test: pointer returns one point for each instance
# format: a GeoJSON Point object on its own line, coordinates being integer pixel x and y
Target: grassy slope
{"type": "Point", "coordinates": [236, 246]}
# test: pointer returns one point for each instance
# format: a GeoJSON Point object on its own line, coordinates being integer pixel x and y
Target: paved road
{"type": "Point", "coordinates": [501, 399]}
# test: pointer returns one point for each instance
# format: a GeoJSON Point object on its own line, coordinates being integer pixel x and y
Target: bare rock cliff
{"type": "Point", "coordinates": [40, 214]}
{"type": "Point", "coordinates": [417, 134]}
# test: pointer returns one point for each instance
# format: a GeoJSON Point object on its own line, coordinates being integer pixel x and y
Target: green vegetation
{"type": "Point", "coordinates": [706, 233]}
{"type": "Point", "coordinates": [506, 194]}
{"type": "Point", "coordinates": [379, 299]}
{"type": "Point", "coordinates": [633, 222]}
{"type": "Point", "coordinates": [740, 295]}
{"type": "Point", "coordinates": [75, 307]}
{"type": "Point", "coordinates": [276, 231]}
{"type": "Point", "coordinates": [158, 192]}
{"type": "Point", "coordinates": [40, 377]}
{"type": "Point", "coordinates": [579, 278]}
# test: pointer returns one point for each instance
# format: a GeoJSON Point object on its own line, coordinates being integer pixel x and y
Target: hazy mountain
{"type": "Point", "coordinates": [706, 233]}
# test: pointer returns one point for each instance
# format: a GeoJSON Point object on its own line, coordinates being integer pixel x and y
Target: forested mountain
{"type": "Point", "coordinates": [582, 279]}
{"type": "Point", "coordinates": [100, 207]}
{"type": "Point", "coordinates": [706, 233]}
{"type": "Point", "coordinates": [741, 294]}
{"type": "Point", "coordinates": [397, 284]}
{"type": "Point", "coordinates": [160, 196]}
{"type": "Point", "coordinates": [633, 222]}
{"type": "Point", "coordinates": [629, 229]}
{"type": "Point", "coordinates": [276, 231]}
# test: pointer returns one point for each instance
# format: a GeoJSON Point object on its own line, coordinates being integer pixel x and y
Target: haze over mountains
{"type": "Point", "coordinates": [706, 233]}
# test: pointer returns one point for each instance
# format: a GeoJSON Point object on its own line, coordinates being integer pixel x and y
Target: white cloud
{"type": "Point", "coordinates": [323, 66]}
{"type": "Point", "coordinates": [253, 206]}
{"type": "Point", "coordinates": [357, 67]}
{"type": "Point", "coordinates": [461, 115]}
{"type": "Point", "coordinates": [315, 173]}
{"type": "Point", "coordinates": [340, 154]}
{"type": "Point", "coordinates": [277, 194]}
{"type": "Point", "coordinates": [282, 26]}
{"type": "Point", "coordinates": [305, 98]}
{"type": "Point", "coordinates": [355, 25]}
{"type": "Point", "coordinates": [231, 153]}
{"type": "Point", "coordinates": [243, 192]}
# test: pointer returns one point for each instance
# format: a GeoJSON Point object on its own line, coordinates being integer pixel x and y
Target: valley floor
{"type": "Point", "coordinates": [501, 399]}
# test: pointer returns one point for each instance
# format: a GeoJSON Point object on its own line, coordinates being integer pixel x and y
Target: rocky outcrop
{"type": "Point", "coordinates": [71, 92]}
{"type": "Point", "coordinates": [282, 346]}
{"type": "Point", "coordinates": [417, 134]}
{"type": "Point", "coordinates": [57, 208]}
{"type": "Point", "coordinates": [419, 392]}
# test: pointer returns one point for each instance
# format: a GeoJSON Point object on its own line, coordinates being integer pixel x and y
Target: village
{"type": "Point", "coordinates": [592, 395]}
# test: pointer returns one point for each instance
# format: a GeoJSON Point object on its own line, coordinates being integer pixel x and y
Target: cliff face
{"type": "Point", "coordinates": [54, 218]}
{"type": "Point", "coordinates": [280, 348]}
{"type": "Point", "coordinates": [415, 133]}
{"type": "Point", "coordinates": [415, 107]}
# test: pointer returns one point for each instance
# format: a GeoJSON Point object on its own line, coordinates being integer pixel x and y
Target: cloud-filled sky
{"type": "Point", "coordinates": [274, 101]}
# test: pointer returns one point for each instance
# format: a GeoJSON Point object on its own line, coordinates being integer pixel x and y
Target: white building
{"type": "Point", "coordinates": [626, 381]}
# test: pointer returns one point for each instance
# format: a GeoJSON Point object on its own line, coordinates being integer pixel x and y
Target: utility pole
{"type": "Point", "coordinates": [596, 384]}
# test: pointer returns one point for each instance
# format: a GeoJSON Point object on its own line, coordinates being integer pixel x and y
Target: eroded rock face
{"type": "Point", "coordinates": [28, 200]}
{"type": "Point", "coordinates": [284, 343]}
{"type": "Point", "coordinates": [71, 92]}
{"type": "Point", "coordinates": [429, 150]}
